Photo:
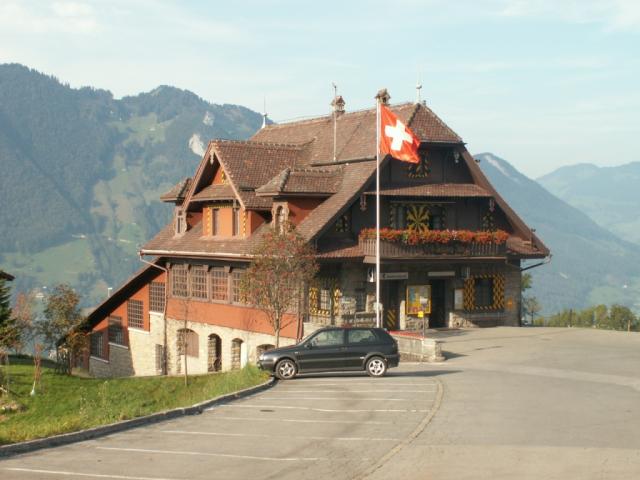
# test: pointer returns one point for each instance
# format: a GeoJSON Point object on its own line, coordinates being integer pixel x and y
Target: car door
{"type": "Point", "coordinates": [360, 342]}
{"type": "Point", "coordinates": [323, 351]}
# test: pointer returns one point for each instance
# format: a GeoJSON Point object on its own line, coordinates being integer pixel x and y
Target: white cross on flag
{"type": "Point", "coordinates": [396, 138]}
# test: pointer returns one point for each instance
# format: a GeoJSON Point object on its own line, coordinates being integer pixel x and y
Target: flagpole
{"type": "Point", "coordinates": [378, 309]}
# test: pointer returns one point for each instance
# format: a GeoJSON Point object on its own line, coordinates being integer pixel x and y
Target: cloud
{"type": "Point", "coordinates": [614, 15]}
{"type": "Point", "coordinates": [60, 17]}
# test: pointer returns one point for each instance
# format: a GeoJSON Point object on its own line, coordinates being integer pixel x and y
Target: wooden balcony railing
{"type": "Point", "coordinates": [453, 249]}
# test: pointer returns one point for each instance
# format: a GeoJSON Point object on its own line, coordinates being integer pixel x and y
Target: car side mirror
{"type": "Point", "coordinates": [308, 345]}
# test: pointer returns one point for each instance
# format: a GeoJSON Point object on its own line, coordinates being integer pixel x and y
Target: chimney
{"type": "Point", "coordinates": [383, 96]}
{"type": "Point", "coordinates": [338, 105]}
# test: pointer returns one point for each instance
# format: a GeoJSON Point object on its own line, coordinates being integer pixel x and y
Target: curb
{"type": "Point", "coordinates": [72, 437]}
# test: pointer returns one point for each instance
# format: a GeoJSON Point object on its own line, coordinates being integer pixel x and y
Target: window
{"type": "Point", "coordinates": [219, 284]}
{"type": "Point", "coordinates": [215, 215]}
{"type": "Point", "coordinates": [361, 336]}
{"type": "Point", "coordinates": [236, 222]}
{"type": "Point", "coordinates": [328, 338]}
{"type": "Point", "coordinates": [188, 342]}
{"type": "Point", "coordinates": [214, 353]}
{"type": "Point", "coordinates": [97, 345]}
{"type": "Point", "coordinates": [116, 332]}
{"type": "Point", "coordinates": [198, 283]}
{"type": "Point", "coordinates": [236, 354]}
{"type": "Point", "coordinates": [483, 290]}
{"type": "Point", "coordinates": [156, 296]}
{"type": "Point", "coordinates": [236, 280]}
{"type": "Point", "coordinates": [181, 222]}
{"type": "Point", "coordinates": [159, 351]}
{"type": "Point", "coordinates": [325, 299]}
{"type": "Point", "coordinates": [361, 300]}
{"type": "Point", "coordinates": [135, 317]}
{"type": "Point", "coordinates": [179, 286]}
{"type": "Point", "coordinates": [343, 224]}
{"type": "Point", "coordinates": [281, 217]}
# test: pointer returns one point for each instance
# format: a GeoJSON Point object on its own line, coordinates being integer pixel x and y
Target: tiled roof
{"type": "Point", "coordinates": [192, 243]}
{"type": "Point", "coordinates": [215, 192]}
{"type": "Point", "coordinates": [453, 190]}
{"type": "Point", "coordinates": [177, 192]}
{"type": "Point", "coordinates": [250, 164]}
{"type": "Point", "coordinates": [520, 247]}
{"type": "Point", "coordinates": [356, 132]}
{"type": "Point", "coordinates": [307, 181]}
{"type": "Point", "coordinates": [340, 250]}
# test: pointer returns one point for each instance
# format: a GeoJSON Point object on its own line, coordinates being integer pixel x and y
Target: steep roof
{"type": "Point", "coordinates": [355, 133]}
{"type": "Point", "coordinates": [320, 181]}
{"type": "Point", "coordinates": [447, 190]}
{"type": "Point", "coordinates": [177, 192]}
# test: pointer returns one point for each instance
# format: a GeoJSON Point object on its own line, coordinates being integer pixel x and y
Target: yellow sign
{"type": "Point", "coordinates": [418, 299]}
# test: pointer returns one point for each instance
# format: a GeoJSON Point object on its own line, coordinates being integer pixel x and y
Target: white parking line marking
{"type": "Point", "coordinates": [91, 475]}
{"type": "Point", "coordinates": [322, 409]}
{"type": "Point", "coordinates": [268, 397]}
{"type": "Point", "coordinates": [262, 435]}
{"type": "Point", "coordinates": [205, 454]}
{"type": "Point", "coordinates": [294, 420]}
{"type": "Point", "coordinates": [342, 384]}
{"type": "Point", "coordinates": [357, 391]}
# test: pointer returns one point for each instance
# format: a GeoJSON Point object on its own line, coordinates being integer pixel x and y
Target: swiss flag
{"type": "Point", "coordinates": [396, 138]}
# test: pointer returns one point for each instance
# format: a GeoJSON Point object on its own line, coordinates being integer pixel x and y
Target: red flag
{"type": "Point", "coordinates": [396, 138]}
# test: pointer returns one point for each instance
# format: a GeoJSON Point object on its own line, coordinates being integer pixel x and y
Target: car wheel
{"type": "Point", "coordinates": [286, 369]}
{"type": "Point", "coordinates": [376, 367]}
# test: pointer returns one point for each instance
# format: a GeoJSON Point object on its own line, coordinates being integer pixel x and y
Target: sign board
{"type": "Point", "coordinates": [394, 275]}
{"type": "Point", "coordinates": [445, 273]}
{"type": "Point", "coordinates": [418, 299]}
{"type": "Point", "coordinates": [458, 299]}
{"type": "Point", "coordinates": [348, 305]}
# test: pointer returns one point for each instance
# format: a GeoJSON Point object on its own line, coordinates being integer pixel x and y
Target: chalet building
{"type": "Point", "coordinates": [451, 247]}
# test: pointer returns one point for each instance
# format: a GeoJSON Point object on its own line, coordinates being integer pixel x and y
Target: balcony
{"type": "Point", "coordinates": [398, 250]}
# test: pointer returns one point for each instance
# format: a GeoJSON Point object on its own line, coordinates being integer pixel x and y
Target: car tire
{"type": "Point", "coordinates": [286, 369]}
{"type": "Point", "coordinates": [376, 367]}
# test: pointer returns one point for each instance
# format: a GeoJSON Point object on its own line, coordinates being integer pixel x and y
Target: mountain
{"type": "Point", "coordinates": [609, 195]}
{"type": "Point", "coordinates": [590, 265]}
{"type": "Point", "coordinates": [82, 173]}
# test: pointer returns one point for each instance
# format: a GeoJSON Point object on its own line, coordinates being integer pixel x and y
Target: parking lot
{"type": "Point", "coordinates": [335, 427]}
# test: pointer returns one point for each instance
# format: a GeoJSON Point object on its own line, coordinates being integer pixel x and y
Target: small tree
{"type": "Point", "coordinates": [621, 318]}
{"type": "Point", "coordinates": [283, 263]}
{"type": "Point", "coordinates": [24, 319]}
{"type": "Point", "coordinates": [62, 323]}
{"type": "Point", "coordinates": [531, 307]}
{"type": "Point", "coordinates": [9, 333]}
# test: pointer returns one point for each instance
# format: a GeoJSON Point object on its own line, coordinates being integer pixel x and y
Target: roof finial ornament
{"type": "Point", "coordinates": [264, 111]}
{"type": "Point", "coordinates": [383, 96]}
{"type": "Point", "coordinates": [418, 89]}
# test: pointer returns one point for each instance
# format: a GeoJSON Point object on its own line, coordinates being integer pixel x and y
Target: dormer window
{"type": "Point", "coordinates": [180, 222]}
{"type": "Point", "coordinates": [280, 218]}
{"type": "Point", "coordinates": [236, 222]}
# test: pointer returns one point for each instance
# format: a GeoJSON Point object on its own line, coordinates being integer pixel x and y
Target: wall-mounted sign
{"type": "Point", "coordinates": [394, 275]}
{"type": "Point", "coordinates": [445, 273]}
{"type": "Point", "coordinates": [418, 299]}
{"type": "Point", "coordinates": [458, 299]}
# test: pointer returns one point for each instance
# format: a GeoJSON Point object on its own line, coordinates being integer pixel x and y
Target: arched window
{"type": "Point", "coordinates": [214, 353]}
{"type": "Point", "coordinates": [236, 354]}
{"type": "Point", "coordinates": [187, 341]}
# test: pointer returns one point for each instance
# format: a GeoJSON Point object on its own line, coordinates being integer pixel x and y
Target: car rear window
{"type": "Point", "coordinates": [362, 336]}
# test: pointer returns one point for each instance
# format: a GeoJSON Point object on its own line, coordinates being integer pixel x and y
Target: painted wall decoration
{"type": "Point", "coordinates": [418, 299]}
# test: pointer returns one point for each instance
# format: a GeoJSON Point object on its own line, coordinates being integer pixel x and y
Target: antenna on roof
{"type": "Point", "coordinates": [335, 119]}
{"type": "Point", "coordinates": [418, 89]}
{"type": "Point", "coordinates": [264, 111]}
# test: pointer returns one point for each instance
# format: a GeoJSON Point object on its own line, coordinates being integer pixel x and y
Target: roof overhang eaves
{"type": "Point", "coordinates": [180, 253]}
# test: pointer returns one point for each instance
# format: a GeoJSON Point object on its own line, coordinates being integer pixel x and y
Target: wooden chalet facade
{"type": "Point", "coordinates": [451, 246]}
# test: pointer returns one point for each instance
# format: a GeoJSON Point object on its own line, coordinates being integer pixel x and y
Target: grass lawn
{"type": "Point", "coordinates": [65, 404]}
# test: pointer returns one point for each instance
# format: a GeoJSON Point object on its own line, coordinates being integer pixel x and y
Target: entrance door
{"type": "Point", "coordinates": [437, 319]}
{"type": "Point", "coordinates": [391, 304]}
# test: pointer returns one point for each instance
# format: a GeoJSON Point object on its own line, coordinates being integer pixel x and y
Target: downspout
{"type": "Point", "coordinates": [165, 369]}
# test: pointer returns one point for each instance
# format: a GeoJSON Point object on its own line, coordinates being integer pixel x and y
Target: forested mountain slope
{"type": "Point", "coordinates": [82, 173]}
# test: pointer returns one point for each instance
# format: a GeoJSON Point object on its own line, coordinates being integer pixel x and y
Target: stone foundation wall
{"type": "Point", "coordinates": [140, 358]}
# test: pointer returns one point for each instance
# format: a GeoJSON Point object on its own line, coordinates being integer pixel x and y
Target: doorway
{"type": "Point", "coordinates": [391, 304]}
{"type": "Point", "coordinates": [437, 319]}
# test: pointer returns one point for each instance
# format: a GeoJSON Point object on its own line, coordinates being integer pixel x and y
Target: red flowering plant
{"type": "Point", "coordinates": [444, 237]}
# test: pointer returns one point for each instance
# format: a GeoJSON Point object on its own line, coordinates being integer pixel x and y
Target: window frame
{"type": "Point", "coordinates": [137, 304]}
{"type": "Point", "coordinates": [343, 343]}
{"type": "Point", "coordinates": [200, 288]}
{"type": "Point", "coordinates": [175, 270]}
{"type": "Point", "coordinates": [215, 274]}
{"type": "Point", "coordinates": [486, 293]}
{"type": "Point", "coordinates": [154, 296]}
{"type": "Point", "coordinates": [114, 327]}
{"type": "Point", "coordinates": [101, 353]}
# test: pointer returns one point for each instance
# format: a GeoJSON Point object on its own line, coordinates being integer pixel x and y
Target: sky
{"type": "Point", "coordinates": [540, 83]}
